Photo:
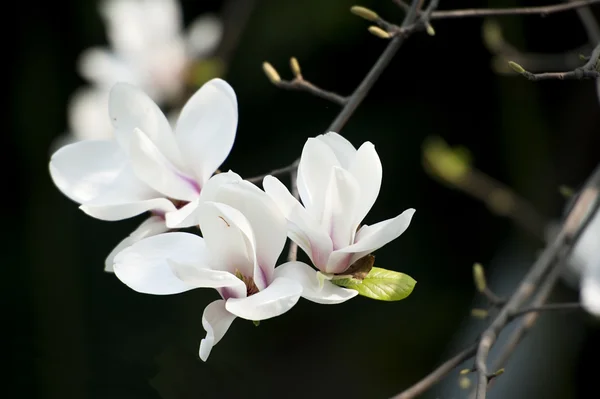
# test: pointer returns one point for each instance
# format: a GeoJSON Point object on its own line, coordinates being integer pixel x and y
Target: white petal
{"type": "Point", "coordinates": [342, 148]}
{"type": "Point", "coordinates": [200, 276]}
{"type": "Point", "coordinates": [366, 168]}
{"type": "Point", "coordinates": [302, 228]}
{"type": "Point", "coordinates": [268, 223]}
{"type": "Point", "coordinates": [186, 216]}
{"type": "Point", "coordinates": [84, 170]}
{"type": "Point", "coordinates": [316, 162]}
{"type": "Point", "coordinates": [152, 167]}
{"type": "Point", "coordinates": [145, 266]}
{"type": "Point", "coordinates": [216, 321]}
{"type": "Point", "coordinates": [369, 239]}
{"type": "Point", "coordinates": [206, 127]}
{"type": "Point", "coordinates": [130, 108]}
{"type": "Point", "coordinates": [340, 204]}
{"type": "Point", "coordinates": [312, 290]}
{"type": "Point", "coordinates": [211, 187]}
{"type": "Point", "coordinates": [590, 292]}
{"type": "Point", "coordinates": [204, 35]}
{"type": "Point", "coordinates": [150, 227]}
{"type": "Point", "coordinates": [127, 196]}
{"type": "Point", "coordinates": [279, 297]}
{"type": "Point", "coordinates": [104, 68]}
{"type": "Point", "coordinates": [88, 115]}
{"type": "Point", "coordinates": [229, 245]}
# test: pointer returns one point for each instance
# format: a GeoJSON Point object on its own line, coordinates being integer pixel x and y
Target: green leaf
{"type": "Point", "coordinates": [381, 284]}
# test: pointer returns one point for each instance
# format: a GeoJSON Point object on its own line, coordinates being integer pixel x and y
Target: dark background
{"type": "Point", "coordinates": [75, 331]}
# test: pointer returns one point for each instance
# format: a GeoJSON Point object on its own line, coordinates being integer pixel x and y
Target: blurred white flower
{"type": "Point", "coordinates": [338, 186]}
{"type": "Point", "coordinates": [148, 48]}
{"type": "Point", "coordinates": [148, 166]}
{"type": "Point", "coordinates": [243, 235]}
{"type": "Point", "coordinates": [585, 262]}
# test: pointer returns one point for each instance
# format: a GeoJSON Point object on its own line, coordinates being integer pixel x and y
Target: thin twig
{"type": "Point", "coordinates": [274, 172]}
{"type": "Point", "coordinates": [550, 258]}
{"type": "Point", "coordinates": [304, 85]}
{"type": "Point", "coordinates": [489, 12]}
{"type": "Point", "coordinates": [436, 375]}
{"type": "Point", "coordinates": [547, 308]}
{"type": "Point", "coordinates": [236, 14]}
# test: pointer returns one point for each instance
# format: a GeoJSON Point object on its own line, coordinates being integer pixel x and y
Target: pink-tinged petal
{"type": "Point", "coordinates": [279, 297]}
{"type": "Point", "coordinates": [340, 204]}
{"type": "Point", "coordinates": [268, 223]}
{"type": "Point", "coordinates": [229, 245]}
{"type": "Point", "coordinates": [130, 108]}
{"type": "Point", "coordinates": [211, 187]}
{"type": "Point", "coordinates": [146, 265]}
{"type": "Point", "coordinates": [344, 150]}
{"type": "Point", "coordinates": [150, 227]}
{"type": "Point", "coordinates": [216, 321]}
{"type": "Point", "coordinates": [313, 290]}
{"type": "Point", "coordinates": [206, 128]}
{"type": "Point", "coordinates": [153, 168]}
{"type": "Point", "coordinates": [316, 162]}
{"type": "Point", "coordinates": [369, 239]}
{"type": "Point", "coordinates": [186, 216]}
{"type": "Point", "coordinates": [84, 170]}
{"type": "Point", "coordinates": [302, 228]}
{"type": "Point", "coordinates": [204, 35]}
{"type": "Point", "coordinates": [126, 197]}
{"type": "Point", "coordinates": [366, 169]}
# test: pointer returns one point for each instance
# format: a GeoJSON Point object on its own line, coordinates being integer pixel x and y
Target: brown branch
{"type": "Point", "coordinates": [436, 375]}
{"type": "Point", "coordinates": [489, 12]}
{"type": "Point", "coordinates": [549, 261]}
{"type": "Point", "coordinates": [274, 172]}
{"type": "Point", "coordinates": [300, 84]}
{"type": "Point", "coordinates": [547, 308]}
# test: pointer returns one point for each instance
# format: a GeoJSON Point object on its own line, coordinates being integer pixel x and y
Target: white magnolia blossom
{"type": "Point", "coordinates": [243, 235]}
{"type": "Point", "coordinates": [147, 48]}
{"type": "Point", "coordinates": [585, 262]}
{"type": "Point", "coordinates": [148, 166]}
{"type": "Point", "coordinates": [338, 186]}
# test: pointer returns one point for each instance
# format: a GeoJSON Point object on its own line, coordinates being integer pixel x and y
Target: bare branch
{"type": "Point", "coordinates": [304, 85]}
{"type": "Point", "coordinates": [436, 375]}
{"type": "Point", "coordinates": [547, 308]}
{"type": "Point", "coordinates": [489, 12]}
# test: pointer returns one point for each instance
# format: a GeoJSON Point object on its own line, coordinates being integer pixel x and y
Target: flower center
{"type": "Point", "coordinates": [178, 205]}
{"type": "Point", "coordinates": [251, 287]}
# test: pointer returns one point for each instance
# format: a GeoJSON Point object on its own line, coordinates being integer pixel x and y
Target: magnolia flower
{"type": "Point", "coordinates": [148, 167]}
{"type": "Point", "coordinates": [338, 186]}
{"type": "Point", "coordinates": [585, 262]}
{"type": "Point", "coordinates": [243, 235]}
{"type": "Point", "coordinates": [148, 46]}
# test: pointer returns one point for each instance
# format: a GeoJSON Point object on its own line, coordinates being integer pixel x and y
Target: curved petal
{"type": "Point", "coordinates": [302, 228]}
{"type": "Point", "coordinates": [369, 239]}
{"type": "Point", "coordinates": [312, 290]}
{"type": "Point", "coordinates": [340, 204]}
{"type": "Point", "coordinates": [153, 168]}
{"type": "Point", "coordinates": [206, 128]}
{"type": "Point", "coordinates": [186, 216]}
{"type": "Point", "coordinates": [130, 108]}
{"type": "Point", "coordinates": [366, 169]}
{"type": "Point", "coordinates": [126, 197]}
{"type": "Point", "coordinates": [204, 35]}
{"type": "Point", "coordinates": [267, 222]}
{"type": "Point", "coordinates": [200, 276]}
{"type": "Point", "coordinates": [344, 150]}
{"type": "Point", "coordinates": [145, 266]}
{"type": "Point", "coordinates": [84, 170]}
{"type": "Point", "coordinates": [150, 227]}
{"type": "Point", "coordinates": [316, 161]}
{"type": "Point", "coordinates": [216, 321]}
{"type": "Point", "coordinates": [211, 187]}
{"type": "Point", "coordinates": [229, 245]}
{"type": "Point", "coordinates": [279, 297]}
